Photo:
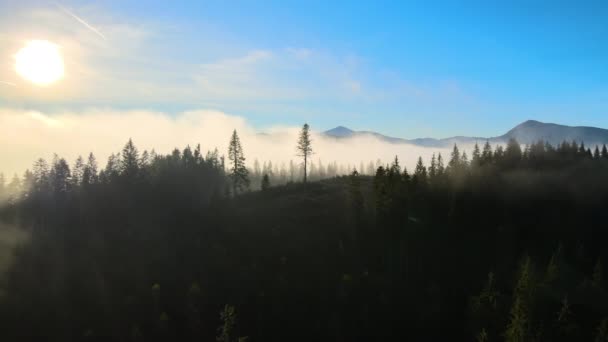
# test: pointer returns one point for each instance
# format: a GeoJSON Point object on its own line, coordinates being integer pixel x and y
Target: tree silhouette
{"type": "Point", "coordinates": [304, 147]}
{"type": "Point", "coordinates": [238, 172]}
{"type": "Point", "coordinates": [265, 182]}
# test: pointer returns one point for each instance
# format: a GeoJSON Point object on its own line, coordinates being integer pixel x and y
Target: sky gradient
{"type": "Point", "coordinates": [406, 69]}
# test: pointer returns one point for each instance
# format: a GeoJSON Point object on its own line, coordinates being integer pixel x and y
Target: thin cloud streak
{"type": "Point", "coordinates": [8, 83]}
{"type": "Point", "coordinates": [80, 20]}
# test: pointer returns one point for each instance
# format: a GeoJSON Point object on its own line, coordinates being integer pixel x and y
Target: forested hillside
{"type": "Point", "coordinates": [505, 245]}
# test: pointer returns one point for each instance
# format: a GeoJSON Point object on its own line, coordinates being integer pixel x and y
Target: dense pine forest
{"type": "Point", "coordinates": [507, 244]}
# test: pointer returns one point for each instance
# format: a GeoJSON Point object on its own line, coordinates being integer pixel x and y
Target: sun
{"type": "Point", "coordinates": [39, 62]}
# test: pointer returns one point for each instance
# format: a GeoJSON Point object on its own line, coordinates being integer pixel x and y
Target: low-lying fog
{"type": "Point", "coordinates": [28, 135]}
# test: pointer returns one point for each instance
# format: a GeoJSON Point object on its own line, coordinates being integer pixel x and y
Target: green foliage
{"type": "Point", "coordinates": [482, 336]}
{"type": "Point", "coordinates": [602, 331]}
{"type": "Point", "coordinates": [226, 331]}
{"type": "Point", "coordinates": [357, 257]}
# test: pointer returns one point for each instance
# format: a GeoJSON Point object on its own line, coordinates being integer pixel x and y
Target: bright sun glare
{"type": "Point", "coordinates": [39, 62]}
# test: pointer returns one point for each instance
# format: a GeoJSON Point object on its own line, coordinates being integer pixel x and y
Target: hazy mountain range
{"type": "Point", "coordinates": [526, 133]}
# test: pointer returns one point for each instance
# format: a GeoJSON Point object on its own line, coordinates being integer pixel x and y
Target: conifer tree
{"type": "Point", "coordinates": [89, 175]}
{"type": "Point", "coordinates": [440, 167]}
{"type": "Point", "coordinates": [238, 172]}
{"type": "Point", "coordinates": [14, 189]}
{"type": "Point", "coordinates": [454, 162]}
{"type": "Point", "coordinates": [395, 167]}
{"type": "Point", "coordinates": [304, 147]}
{"type": "Point", "coordinates": [596, 153]}
{"type": "Point", "coordinates": [476, 161]}
{"type": "Point", "coordinates": [486, 155]}
{"type": "Point", "coordinates": [433, 167]}
{"type": "Point", "coordinates": [420, 171]}
{"type": "Point", "coordinates": [78, 171]}
{"type": "Point", "coordinates": [265, 182]}
{"type": "Point", "coordinates": [604, 152]}
{"type": "Point", "coordinates": [41, 174]}
{"type": "Point", "coordinates": [513, 153]}
{"type": "Point", "coordinates": [129, 161]}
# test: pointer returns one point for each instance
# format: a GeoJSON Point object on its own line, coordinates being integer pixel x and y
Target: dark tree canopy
{"type": "Point", "coordinates": [161, 247]}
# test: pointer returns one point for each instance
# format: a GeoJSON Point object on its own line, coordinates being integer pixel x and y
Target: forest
{"type": "Point", "coordinates": [507, 244]}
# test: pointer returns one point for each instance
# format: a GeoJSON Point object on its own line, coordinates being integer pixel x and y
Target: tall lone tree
{"type": "Point", "coordinates": [238, 172]}
{"type": "Point", "coordinates": [305, 147]}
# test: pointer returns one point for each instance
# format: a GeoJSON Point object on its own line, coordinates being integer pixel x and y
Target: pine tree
{"type": "Point", "coordinates": [256, 169]}
{"type": "Point", "coordinates": [41, 175]}
{"type": "Point", "coordinates": [60, 176]}
{"type": "Point", "coordinates": [265, 182]}
{"type": "Point", "coordinates": [420, 171]}
{"type": "Point", "coordinates": [476, 161]}
{"type": "Point", "coordinates": [238, 172]}
{"type": "Point", "coordinates": [486, 155]}
{"type": "Point", "coordinates": [604, 152]}
{"type": "Point", "coordinates": [129, 161]}
{"type": "Point", "coordinates": [517, 330]}
{"type": "Point", "coordinates": [440, 167]}
{"type": "Point", "coordinates": [519, 322]}
{"type": "Point", "coordinates": [14, 189]}
{"type": "Point", "coordinates": [395, 167]}
{"type": "Point", "coordinates": [513, 153]}
{"type": "Point", "coordinates": [454, 162]}
{"type": "Point", "coordinates": [304, 147]}
{"type": "Point", "coordinates": [89, 175]}
{"type": "Point", "coordinates": [78, 171]}
{"type": "Point", "coordinates": [144, 160]}
{"type": "Point", "coordinates": [433, 167]}
{"type": "Point", "coordinates": [226, 331]}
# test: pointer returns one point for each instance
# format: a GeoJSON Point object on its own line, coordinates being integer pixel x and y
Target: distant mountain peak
{"type": "Point", "coordinates": [532, 131]}
{"type": "Point", "coordinates": [527, 132]}
{"type": "Point", "coordinates": [339, 131]}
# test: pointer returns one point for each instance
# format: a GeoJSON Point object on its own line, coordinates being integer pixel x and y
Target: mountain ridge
{"type": "Point", "coordinates": [526, 132]}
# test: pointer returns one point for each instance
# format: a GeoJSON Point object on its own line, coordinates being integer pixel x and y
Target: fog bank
{"type": "Point", "coordinates": [28, 135]}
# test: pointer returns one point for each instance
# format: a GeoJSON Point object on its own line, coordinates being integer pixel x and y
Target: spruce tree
{"type": "Point", "coordinates": [265, 182]}
{"type": "Point", "coordinates": [440, 167]}
{"type": "Point", "coordinates": [304, 147]}
{"type": "Point", "coordinates": [454, 162]}
{"type": "Point", "coordinates": [238, 172]}
{"type": "Point", "coordinates": [78, 171]}
{"type": "Point", "coordinates": [433, 167]}
{"type": "Point", "coordinates": [420, 171]}
{"type": "Point", "coordinates": [486, 155]}
{"type": "Point", "coordinates": [476, 161]}
{"type": "Point", "coordinates": [129, 161]}
{"type": "Point", "coordinates": [89, 175]}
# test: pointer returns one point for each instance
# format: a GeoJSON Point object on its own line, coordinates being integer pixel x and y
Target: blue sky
{"type": "Point", "coordinates": [407, 69]}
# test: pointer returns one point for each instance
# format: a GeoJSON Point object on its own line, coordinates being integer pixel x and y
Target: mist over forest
{"type": "Point", "coordinates": [504, 244]}
{"type": "Point", "coordinates": [260, 171]}
{"type": "Point", "coordinates": [103, 132]}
